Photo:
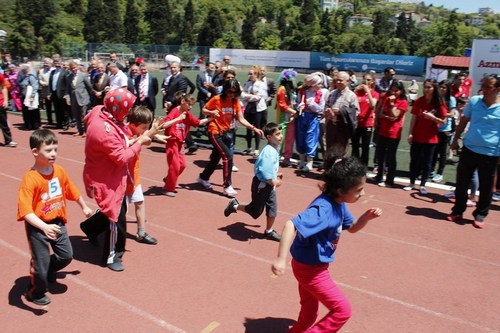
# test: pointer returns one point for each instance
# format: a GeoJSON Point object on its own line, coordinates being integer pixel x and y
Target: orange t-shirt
{"type": "Point", "coordinates": [45, 195]}
{"type": "Point", "coordinates": [228, 109]}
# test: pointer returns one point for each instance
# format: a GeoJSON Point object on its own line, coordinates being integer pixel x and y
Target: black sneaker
{"type": "Point", "coordinates": [192, 150]}
{"type": "Point", "coordinates": [273, 235]}
{"type": "Point", "coordinates": [146, 239]}
{"type": "Point", "coordinates": [44, 300]}
{"type": "Point", "coordinates": [231, 207]}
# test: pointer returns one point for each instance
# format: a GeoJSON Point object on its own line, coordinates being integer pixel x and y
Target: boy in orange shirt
{"type": "Point", "coordinates": [42, 206]}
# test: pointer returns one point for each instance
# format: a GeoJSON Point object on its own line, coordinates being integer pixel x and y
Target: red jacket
{"type": "Point", "coordinates": [106, 161]}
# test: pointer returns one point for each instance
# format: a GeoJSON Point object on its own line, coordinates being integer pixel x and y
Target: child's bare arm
{"type": "Point", "coordinates": [50, 230]}
{"type": "Point", "coordinates": [287, 235]}
{"type": "Point", "coordinates": [87, 211]}
{"type": "Point", "coordinates": [169, 123]}
{"type": "Point", "coordinates": [370, 214]}
{"type": "Point", "coordinates": [205, 121]}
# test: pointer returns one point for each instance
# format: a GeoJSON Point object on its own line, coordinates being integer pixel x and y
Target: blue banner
{"type": "Point", "coordinates": [359, 62]}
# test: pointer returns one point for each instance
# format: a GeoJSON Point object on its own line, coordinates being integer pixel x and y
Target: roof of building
{"type": "Point", "coordinates": [450, 62]}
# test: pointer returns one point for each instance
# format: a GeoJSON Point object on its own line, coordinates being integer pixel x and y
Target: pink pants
{"type": "Point", "coordinates": [316, 285]}
{"type": "Point", "coordinates": [176, 162]}
{"type": "Point", "coordinates": [289, 140]}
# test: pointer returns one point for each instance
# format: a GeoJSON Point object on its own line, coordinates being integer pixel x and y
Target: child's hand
{"type": "Point", "coordinates": [259, 132]}
{"type": "Point", "coordinates": [51, 231]}
{"type": "Point", "coordinates": [372, 213]}
{"type": "Point", "coordinates": [278, 267]}
{"type": "Point", "coordinates": [87, 211]}
{"type": "Point", "coordinates": [162, 138]}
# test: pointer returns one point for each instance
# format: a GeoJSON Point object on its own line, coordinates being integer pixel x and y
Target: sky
{"type": "Point", "coordinates": [465, 6]}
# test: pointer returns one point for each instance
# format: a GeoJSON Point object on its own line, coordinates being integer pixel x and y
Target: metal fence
{"type": "Point", "coordinates": [149, 52]}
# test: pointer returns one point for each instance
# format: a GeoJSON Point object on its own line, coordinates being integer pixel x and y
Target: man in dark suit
{"type": "Point", "coordinates": [206, 90]}
{"type": "Point", "coordinates": [78, 91]}
{"type": "Point", "coordinates": [205, 86]}
{"type": "Point", "coordinates": [146, 87]}
{"type": "Point", "coordinates": [177, 82]}
{"type": "Point", "coordinates": [57, 86]}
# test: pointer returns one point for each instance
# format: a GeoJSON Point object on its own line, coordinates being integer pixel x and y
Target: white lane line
{"type": "Point", "coordinates": [420, 308]}
{"type": "Point", "coordinates": [141, 313]}
{"type": "Point", "coordinates": [448, 253]}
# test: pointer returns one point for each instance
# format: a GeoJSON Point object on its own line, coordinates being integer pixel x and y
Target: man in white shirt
{"type": "Point", "coordinates": [117, 79]}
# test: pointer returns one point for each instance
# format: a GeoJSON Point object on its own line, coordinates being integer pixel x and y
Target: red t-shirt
{"type": "Point", "coordinates": [426, 130]}
{"type": "Point", "coordinates": [180, 130]}
{"type": "Point", "coordinates": [392, 129]}
{"type": "Point", "coordinates": [365, 116]}
{"type": "Point", "coordinates": [228, 109]}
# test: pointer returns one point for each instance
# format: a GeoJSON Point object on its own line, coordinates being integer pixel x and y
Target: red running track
{"type": "Point", "coordinates": [408, 271]}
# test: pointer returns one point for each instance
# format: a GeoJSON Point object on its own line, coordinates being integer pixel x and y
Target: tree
{"type": "Point", "coordinates": [212, 29]}
{"type": "Point", "coordinates": [22, 42]}
{"type": "Point", "coordinates": [248, 37]}
{"type": "Point", "coordinates": [230, 40]}
{"type": "Point", "coordinates": [113, 27]}
{"type": "Point", "coordinates": [92, 22]}
{"type": "Point", "coordinates": [158, 14]}
{"type": "Point", "coordinates": [382, 24]}
{"type": "Point", "coordinates": [187, 32]}
{"type": "Point", "coordinates": [132, 20]}
{"type": "Point", "coordinates": [76, 7]}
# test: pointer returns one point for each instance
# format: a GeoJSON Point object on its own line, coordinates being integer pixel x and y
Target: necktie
{"type": "Point", "coordinates": [142, 89]}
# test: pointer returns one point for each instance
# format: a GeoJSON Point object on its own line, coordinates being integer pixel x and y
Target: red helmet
{"type": "Point", "coordinates": [118, 102]}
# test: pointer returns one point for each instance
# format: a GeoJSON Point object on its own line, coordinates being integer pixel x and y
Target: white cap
{"type": "Point", "coordinates": [170, 58]}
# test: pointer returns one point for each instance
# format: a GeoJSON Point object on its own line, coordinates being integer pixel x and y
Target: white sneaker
{"type": "Point", "coordinates": [471, 203]}
{"type": "Point", "coordinates": [12, 144]}
{"type": "Point", "coordinates": [256, 153]}
{"type": "Point", "coordinates": [230, 191]}
{"type": "Point", "coordinates": [496, 196]}
{"type": "Point", "coordinates": [423, 191]}
{"type": "Point", "coordinates": [437, 178]}
{"type": "Point", "coordinates": [410, 188]}
{"type": "Point", "coordinates": [235, 168]}
{"type": "Point", "coordinates": [206, 184]}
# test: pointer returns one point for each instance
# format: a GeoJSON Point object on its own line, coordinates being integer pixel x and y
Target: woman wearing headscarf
{"type": "Point", "coordinates": [107, 156]}
{"type": "Point", "coordinates": [14, 91]}
{"type": "Point", "coordinates": [311, 106]}
{"type": "Point", "coordinates": [28, 85]}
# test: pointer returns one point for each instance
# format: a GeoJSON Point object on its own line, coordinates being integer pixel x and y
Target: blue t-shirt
{"type": "Point", "coordinates": [267, 164]}
{"type": "Point", "coordinates": [318, 230]}
{"type": "Point", "coordinates": [483, 136]}
{"type": "Point", "coordinates": [446, 127]}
